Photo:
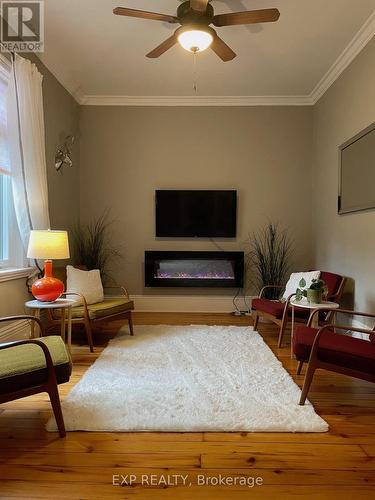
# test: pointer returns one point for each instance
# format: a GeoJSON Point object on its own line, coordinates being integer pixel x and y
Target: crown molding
{"type": "Point", "coordinates": [107, 100]}
{"type": "Point", "coordinates": [354, 47]}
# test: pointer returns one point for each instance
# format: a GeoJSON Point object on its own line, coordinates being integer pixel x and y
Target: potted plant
{"type": "Point", "coordinates": [269, 258]}
{"type": "Point", "coordinates": [314, 294]}
{"type": "Point", "coordinates": [92, 246]}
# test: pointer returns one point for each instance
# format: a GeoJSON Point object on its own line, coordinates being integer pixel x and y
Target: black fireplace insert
{"type": "Point", "coordinates": [194, 269]}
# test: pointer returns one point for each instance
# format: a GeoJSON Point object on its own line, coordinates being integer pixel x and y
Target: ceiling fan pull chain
{"type": "Point", "coordinates": [195, 75]}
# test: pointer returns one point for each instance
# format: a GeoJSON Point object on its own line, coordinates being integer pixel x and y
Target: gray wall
{"type": "Point", "coordinates": [344, 243]}
{"type": "Point", "coordinates": [263, 152]}
{"type": "Point", "coordinates": [13, 295]}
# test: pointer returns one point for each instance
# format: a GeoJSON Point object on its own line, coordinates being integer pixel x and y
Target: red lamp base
{"type": "Point", "coordinates": [48, 288]}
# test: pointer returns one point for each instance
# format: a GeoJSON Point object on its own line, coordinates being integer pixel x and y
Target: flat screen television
{"type": "Point", "coordinates": [196, 214]}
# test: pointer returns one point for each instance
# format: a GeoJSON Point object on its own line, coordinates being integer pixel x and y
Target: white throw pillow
{"type": "Point", "coordinates": [88, 283]}
{"type": "Point", "coordinates": [294, 280]}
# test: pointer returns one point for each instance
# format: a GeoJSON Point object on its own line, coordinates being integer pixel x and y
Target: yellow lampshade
{"type": "Point", "coordinates": [48, 245]}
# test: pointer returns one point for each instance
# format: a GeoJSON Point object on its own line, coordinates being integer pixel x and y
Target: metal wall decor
{"type": "Point", "coordinates": [63, 154]}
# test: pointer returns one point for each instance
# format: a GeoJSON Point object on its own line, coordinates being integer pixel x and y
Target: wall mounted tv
{"type": "Point", "coordinates": [357, 172]}
{"type": "Point", "coordinates": [196, 214]}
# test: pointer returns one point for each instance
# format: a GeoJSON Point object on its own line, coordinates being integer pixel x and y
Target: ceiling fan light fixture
{"type": "Point", "coordinates": [195, 40]}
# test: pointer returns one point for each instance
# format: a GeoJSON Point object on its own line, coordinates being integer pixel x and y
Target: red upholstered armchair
{"type": "Point", "coordinates": [279, 311]}
{"type": "Point", "coordinates": [326, 348]}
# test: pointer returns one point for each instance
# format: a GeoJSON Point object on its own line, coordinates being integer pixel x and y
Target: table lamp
{"type": "Point", "coordinates": [48, 245]}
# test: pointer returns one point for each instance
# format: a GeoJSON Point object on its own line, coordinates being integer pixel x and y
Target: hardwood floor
{"type": "Point", "coordinates": [37, 464]}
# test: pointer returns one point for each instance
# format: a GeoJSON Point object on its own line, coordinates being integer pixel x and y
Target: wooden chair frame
{"type": "Point", "coordinates": [315, 362]}
{"type": "Point", "coordinates": [50, 386]}
{"type": "Point", "coordinates": [283, 322]}
{"type": "Point", "coordinates": [86, 321]}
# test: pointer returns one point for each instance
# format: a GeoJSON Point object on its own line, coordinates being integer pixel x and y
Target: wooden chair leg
{"type": "Point", "coordinates": [307, 382]}
{"type": "Point", "coordinates": [89, 334]}
{"type": "Point", "coordinates": [56, 406]}
{"type": "Point", "coordinates": [256, 320]}
{"type": "Point", "coordinates": [284, 322]}
{"type": "Point", "coordinates": [130, 321]}
{"type": "Point", "coordinates": [299, 368]}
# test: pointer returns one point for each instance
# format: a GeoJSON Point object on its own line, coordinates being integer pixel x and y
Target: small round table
{"type": "Point", "coordinates": [36, 306]}
{"type": "Point", "coordinates": [315, 319]}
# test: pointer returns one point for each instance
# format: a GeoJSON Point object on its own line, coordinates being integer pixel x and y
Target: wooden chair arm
{"type": "Point", "coordinates": [290, 298]}
{"type": "Point", "coordinates": [339, 291]}
{"type": "Point", "coordinates": [342, 311]}
{"type": "Point", "coordinates": [47, 354]}
{"type": "Point", "coordinates": [84, 303]}
{"type": "Point", "coordinates": [286, 307]}
{"type": "Point", "coordinates": [266, 287]}
{"type": "Point", "coordinates": [317, 311]}
{"type": "Point", "coordinates": [332, 328]}
{"type": "Point", "coordinates": [119, 287]}
{"type": "Point", "coordinates": [24, 316]}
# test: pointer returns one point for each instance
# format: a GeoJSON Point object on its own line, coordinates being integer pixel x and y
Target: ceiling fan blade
{"type": "Point", "coordinates": [163, 47]}
{"type": "Point", "coordinates": [123, 11]}
{"type": "Point", "coordinates": [222, 49]}
{"type": "Point", "coordinates": [199, 5]}
{"type": "Point", "coordinates": [247, 17]}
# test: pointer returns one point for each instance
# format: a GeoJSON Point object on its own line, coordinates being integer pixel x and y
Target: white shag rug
{"type": "Point", "coordinates": [189, 379]}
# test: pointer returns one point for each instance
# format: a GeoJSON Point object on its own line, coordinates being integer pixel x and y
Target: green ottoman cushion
{"type": "Point", "coordinates": [25, 366]}
{"type": "Point", "coordinates": [107, 307]}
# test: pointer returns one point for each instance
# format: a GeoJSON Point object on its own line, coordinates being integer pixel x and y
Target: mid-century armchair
{"type": "Point", "coordinates": [279, 311]}
{"type": "Point", "coordinates": [87, 314]}
{"type": "Point", "coordinates": [32, 366]}
{"type": "Point", "coordinates": [328, 349]}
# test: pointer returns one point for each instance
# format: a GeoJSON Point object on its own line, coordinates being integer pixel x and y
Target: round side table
{"type": "Point", "coordinates": [315, 319]}
{"type": "Point", "coordinates": [64, 304]}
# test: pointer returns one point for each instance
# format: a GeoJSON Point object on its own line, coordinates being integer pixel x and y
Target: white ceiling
{"type": "Point", "coordinates": [93, 52]}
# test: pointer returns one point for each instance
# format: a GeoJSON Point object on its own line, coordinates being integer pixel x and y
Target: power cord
{"type": "Point", "coordinates": [217, 245]}
{"type": "Point", "coordinates": [237, 312]}
{"type": "Point", "coordinates": [247, 307]}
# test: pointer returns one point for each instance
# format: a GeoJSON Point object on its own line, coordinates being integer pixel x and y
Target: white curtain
{"type": "Point", "coordinates": [4, 155]}
{"type": "Point", "coordinates": [25, 122]}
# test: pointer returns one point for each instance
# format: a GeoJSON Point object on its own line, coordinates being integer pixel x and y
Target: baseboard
{"type": "Point", "coordinates": [188, 303]}
{"type": "Point", "coordinates": [17, 330]}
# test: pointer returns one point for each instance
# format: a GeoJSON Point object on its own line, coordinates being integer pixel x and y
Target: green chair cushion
{"type": "Point", "coordinates": [108, 307]}
{"type": "Point", "coordinates": [25, 366]}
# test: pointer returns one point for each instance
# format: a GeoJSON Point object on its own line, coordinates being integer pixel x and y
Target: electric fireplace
{"type": "Point", "coordinates": [194, 269]}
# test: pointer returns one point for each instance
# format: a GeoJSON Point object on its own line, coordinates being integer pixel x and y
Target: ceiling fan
{"type": "Point", "coordinates": [195, 33]}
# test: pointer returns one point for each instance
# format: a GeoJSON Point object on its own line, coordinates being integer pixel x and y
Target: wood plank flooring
{"type": "Point", "coordinates": [36, 464]}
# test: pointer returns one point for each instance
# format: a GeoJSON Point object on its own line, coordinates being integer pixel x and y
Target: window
{"type": "Point", "coordinates": [4, 218]}
{"type": "Point", "coordinates": [11, 254]}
